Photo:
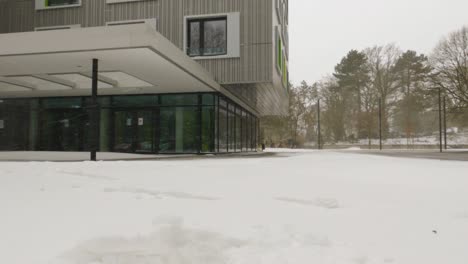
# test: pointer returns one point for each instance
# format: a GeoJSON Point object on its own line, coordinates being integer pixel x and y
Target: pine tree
{"type": "Point", "coordinates": [352, 75]}
{"type": "Point", "coordinates": [412, 72]}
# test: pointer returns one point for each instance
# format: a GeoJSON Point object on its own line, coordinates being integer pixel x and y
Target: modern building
{"type": "Point", "coordinates": [175, 76]}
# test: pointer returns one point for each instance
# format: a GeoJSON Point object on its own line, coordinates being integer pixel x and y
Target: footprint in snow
{"type": "Point", "coordinates": [319, 202]}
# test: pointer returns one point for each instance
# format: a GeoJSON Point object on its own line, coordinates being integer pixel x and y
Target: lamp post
{"type": "Point", "coordinates": [440, 120]}
{"type": "Point", "coordinates": [445, 123]}
{"type": "Point", "coordinates": [380, 123]}
{"type": "Point", "coordinates": [319, 134]}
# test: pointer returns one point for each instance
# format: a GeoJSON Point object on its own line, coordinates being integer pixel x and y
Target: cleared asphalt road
{"type": "Point", "coordinates": [419, 154]}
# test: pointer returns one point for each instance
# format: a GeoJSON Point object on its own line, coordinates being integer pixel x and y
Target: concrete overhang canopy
{"type": "Point", "coordinates": [133, 59]}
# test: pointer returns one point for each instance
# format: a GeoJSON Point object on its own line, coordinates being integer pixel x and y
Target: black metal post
{"type": "Point", "coordinates": [445, 123]}
{"type": "Point", "coordinates": [440, 120]}
{"type": "Point", "coordinates": [94, 111]}
{"type": "Point", "coordinates": [380, 123]}
{"type": "Point", "coordinates": [200, 129]}
{"type": "Point", "coordinates": [319, 134]}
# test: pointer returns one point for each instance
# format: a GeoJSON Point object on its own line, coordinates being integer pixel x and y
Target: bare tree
{"type": "Point", "coordinates": [382, 61]}
{"type": "Point", "coordinates": [450, 61]}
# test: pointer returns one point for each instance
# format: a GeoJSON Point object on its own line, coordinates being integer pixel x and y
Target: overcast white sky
{"type": "Point", "coordinates": [323, 31]}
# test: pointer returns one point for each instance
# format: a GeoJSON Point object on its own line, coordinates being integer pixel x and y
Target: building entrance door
{"type": "Point", "coordinates": [134, 131]}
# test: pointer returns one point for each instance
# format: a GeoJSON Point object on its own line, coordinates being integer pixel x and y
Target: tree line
{"type": "Point", "coordinates": [404, 83]}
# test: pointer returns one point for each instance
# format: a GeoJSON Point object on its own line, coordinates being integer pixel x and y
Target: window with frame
{"type": "Point", "coordinates": [207, 36]}
{"type": "Point", "coordinates": [279, 52]}
{"type": "Point", "coordinates": [50, 3]}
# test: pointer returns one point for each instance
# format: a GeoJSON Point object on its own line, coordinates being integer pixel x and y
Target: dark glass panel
{"type": "Point", "coordinates": [123, 131]}
{"type": "Point", "coordinates": [104, 101]}
{"type": "Point", "coordinates": [194, 39]}
{"type": "Point", "coordinates": [145, 132]}
{"type": "Point", "coordinates": [223, 129]}
{"type": "Point", "coordinates": [134, 131]}
{"type": "Point", "coordinates": [222, 102]}
{"type": "Point", "coordinates": [179, 130]}
{"type": "Point", "coordinates": [34, 124]}
{"type": "Point", "coordinates": [61, 2]}
{"type": "Point", "coordinates": [14, 124]}
{"type": "Point", "coordinates": [64, 103]}
{"type": "Point", "coordinates": [215, 38]}
{"type": "Point", "coordinates": [63, 130]}
{"type": "Point", "coordinates": [238, 130]}
{"type": "Point", "coordinates": [208, 99]}
{"type": "Point", "coordinates": [208, 125]}
{"type": "Point", "coordinates": [179, 99]}
{"type": "Point", "coordinates": [246, 134]}
{"type": "Point", "coordinates": [105, 130]}
{"type": "Point", "coordinates": [135, 101]}
{"type": "Point", "coordinates": [255, 132]}
{"type": "Point", "coordinates": [231, 128]}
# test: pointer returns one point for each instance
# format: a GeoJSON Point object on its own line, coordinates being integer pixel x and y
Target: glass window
{"type": "Point", "coordinates": [231, 128]}
{"type": "Point", "coordinates": [179, 130]}
{"type": "Point", "coordinates": [105, 125]}
{"type": "Point", "coordinates": [72, 102]}
{"type": "Point", "coordinates": [15, 117]}
{"type": "Point", "coordinates": [238, 130]}
{"type": "Point", "coordinates": [223, 129]}
{"type": "Point", "coordinates": [252, 132]}
{"type": "Point", "coordinates": [207, 37]}
{"type": "Point", "coordinates": [194, 48]}
{"type": "Point", "coordinates": [179, 99]}
{"type": "Point", "coordinates": [135, 101]}
{"type": "Point", "coordinates": [208, 99]}
{"type": "Point", "coordinates": [215, 37]}
{"type": "Point", "coordinates": [247, 132]}
{"type": "Point", "coordinates": [208, 129]}
{"type": "Point", "coordinates": [285, 72]}
{"type": "Point", "coordinates": [279, 52]}
{"type": "Point", "coordinates": [255, 133]}
{"type": "Point", "coordinates": [61, 2]}
{"type": "Point", "coordinates": [64, 130]}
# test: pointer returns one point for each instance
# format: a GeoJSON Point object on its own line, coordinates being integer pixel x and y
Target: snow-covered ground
{"type": "Point", "coordinates": [303, 207]}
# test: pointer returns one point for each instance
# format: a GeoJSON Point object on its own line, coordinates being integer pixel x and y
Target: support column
{"type": "Point", "coordinates": [94, 112]}
{"type": "Point", "coordinates": [200, 126]}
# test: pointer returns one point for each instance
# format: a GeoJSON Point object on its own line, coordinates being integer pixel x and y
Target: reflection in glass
{"type": "Point", "coordinates": [14, 124]}
{"type": "Point", "coordinates": [223, 129]}
{"type": "Point", "coordinates": [208, 128]}
{"type": "Point", "coordinates": [232, 128]}
{"type": "Point", "coordinates": [145, 132]}
{"type": "Point", "coordinates": [238, 130]}
{"type": "Point", "coordinates": [61, 2]}
{"type": "Point", "coordinates": [63, 130]}
{"type": "Point", "coordinates": [123, 131]}
{"type": "Point", "coordinates": [179, 130]}
{"type": "Point", "coordinates": [215, 38]}
{"type": "Point", "coordinates": [194, 39]}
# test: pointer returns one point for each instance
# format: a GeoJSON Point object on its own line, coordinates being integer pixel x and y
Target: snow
{"type": "Point", "coordinates": [300, 207]}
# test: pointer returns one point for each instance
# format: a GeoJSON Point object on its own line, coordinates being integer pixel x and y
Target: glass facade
{"type": "Point", "coordinates": [172, 123]}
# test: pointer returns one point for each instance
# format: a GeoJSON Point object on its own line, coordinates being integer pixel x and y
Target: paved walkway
{"type": "Point", "coordinates": [457, 155]}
